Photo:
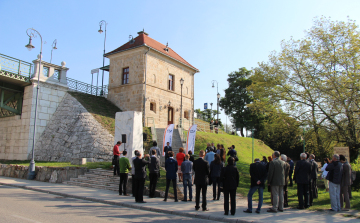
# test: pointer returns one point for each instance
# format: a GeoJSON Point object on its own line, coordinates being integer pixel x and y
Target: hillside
{"type": "Point", "coordinates": [205, 127]}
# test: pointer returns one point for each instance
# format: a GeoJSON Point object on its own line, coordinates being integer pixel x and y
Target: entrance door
{"type": "Point", "coordinates": [170, 116]}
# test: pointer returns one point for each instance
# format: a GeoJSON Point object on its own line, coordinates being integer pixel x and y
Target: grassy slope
{"type": "Point", "coordinates": [103, 110]}
{"type": "Point", "coordinates": [205, 126]}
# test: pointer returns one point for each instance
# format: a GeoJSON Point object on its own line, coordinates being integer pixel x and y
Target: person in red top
{"type": "Point", "coordinates": [180, 157]}
{"type": "Point", "coordinates": [116, 153]}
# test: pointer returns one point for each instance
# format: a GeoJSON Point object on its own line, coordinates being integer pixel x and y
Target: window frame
{"type": "Point", "coordinates": [171, 86]}
{"type": "Point", "coordinates": [125, 75]}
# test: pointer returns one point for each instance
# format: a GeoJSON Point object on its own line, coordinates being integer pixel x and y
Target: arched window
{"type": "Point", "coordinates": [153, 106]}
{"type": "Point", "coordinates": [154, 78]}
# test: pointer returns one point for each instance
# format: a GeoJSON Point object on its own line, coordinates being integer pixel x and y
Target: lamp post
{"type": "Point", "coordinates": [102, 22]}
{"type": "Point", "coordinates": [181, 82]}
{"type": "Point", "coordinates": [29, 46]}
{"type": "Point", "coordinates": [218, 96]}
{"type": "Point", "coordinates": [211, 104]}
{"type": "Point", "coordinates": [53, 47]}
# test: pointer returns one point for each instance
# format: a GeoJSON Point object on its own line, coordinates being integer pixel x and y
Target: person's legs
{"type": "Point", "coordinates": [349, 189]}
{"type": "Point", "coordinates": [197, 196]}
{"type": "Point", "coordinates": [204, 190]}
{"type": "Point", "coordinates": [133, 185]}
{"type": "Point", "coordinates": [218, 187]}
{"type": "Point", "coordinates": [326, 182]}
{"type": "Point", "coordinates": [175, 190]}
{"type": "Point", "coordinates": [291, 179]}
{"type": "Point", "coordinates": [281, 198]}
{"type": "Point", "coordinates": [286, 196]}
{"type": "Point", "coordinates": [249, 197]}
{"type": "Point", "coordinates": [233, 201]}
{"type": "Point", "coordinates": [185, 184]}
{"type": "Point", "coordinates": [300, 193]}
{"type": "Point", "coordinates": [121, 183]}
{"type": "Point", "coordinates": [214, 187]}
{"type": "Point", "coordinates": [311, 194]}
{"type": "Point", "coordinates": [141, 190]}
{"type": "Point", "coordinates": [125, 176]}
{"type": "Point", "coordinates": [117, 167]}
{"type": "Point", "coordinates": [136, 188]}
{"type": "Point", "coordinates": [261, 192]}
{"type": "Point", "coordinates": [275, 193]}
{"type": "Point", "coordinates": [315, 191]}
{"type": "Point", "coordinates": [332, 192]}
{"type": "Point", "coordinates": [167, 188]}
{"type": "Point", "coordinates": [226, 201]}
{"type": "Point", "coordinates": [306, 195]}
{"type": "Point", "coordinates": [337, 188]}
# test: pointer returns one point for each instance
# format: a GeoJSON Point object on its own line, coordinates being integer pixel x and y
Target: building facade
{"type": "Point", "coordinates": [144, 70]}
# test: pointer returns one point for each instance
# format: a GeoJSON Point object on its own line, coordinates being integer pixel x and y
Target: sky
{"type": "Point", "coordinates": [217, 37]}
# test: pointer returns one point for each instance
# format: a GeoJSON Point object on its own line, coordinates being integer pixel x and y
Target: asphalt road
{"type": "Point", "coordinates": [21, 205]}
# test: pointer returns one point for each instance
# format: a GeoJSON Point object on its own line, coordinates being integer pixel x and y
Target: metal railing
{"type": "Point", "coordinates": [79, 86]}
{"type": "Point", "coordinates": [15, 66]}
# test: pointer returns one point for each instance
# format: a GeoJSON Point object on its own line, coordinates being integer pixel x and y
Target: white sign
{"type": "Point", "coordinates": [168, 136]}
{"type": "Point", "coordinates": [343, 151]}
{"type": "Point", "coordinates": [95, 71]}
{"type": "Point", "coordinates": [190, 142]}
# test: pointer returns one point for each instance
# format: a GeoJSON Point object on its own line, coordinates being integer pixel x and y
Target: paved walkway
{"type": "Point", "coordinates": [179, 208]}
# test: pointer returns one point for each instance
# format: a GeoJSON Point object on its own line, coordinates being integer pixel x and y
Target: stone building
{"type": "Point", "coordinates": [146, 69]}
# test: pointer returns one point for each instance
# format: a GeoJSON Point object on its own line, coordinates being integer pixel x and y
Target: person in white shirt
{"type": "Point", "coordinates": [325, 173]}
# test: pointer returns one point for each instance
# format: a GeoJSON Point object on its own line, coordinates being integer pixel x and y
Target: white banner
{"type": "Point", "coordinates": [190, 142]}
{"type": "Point", "coordinates": [168, 136]}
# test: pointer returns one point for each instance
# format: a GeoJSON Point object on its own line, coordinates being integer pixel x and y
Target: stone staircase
{"type": "Point", "coordinates": [100, 179]}
{"type": "Point", "coordinates": [176, 143]}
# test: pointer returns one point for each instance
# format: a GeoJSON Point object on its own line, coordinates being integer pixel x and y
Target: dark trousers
{"type": "Point", "coordinates": [232, 194]}
{"type": "Point", "coordinates": [167, 188]}
{"type": "Point", "coordinates": [312, 191]}
{"type": "Point", "coordinates": [286, 204]}
{"type": "Point", "coordinates": [133, 185]}
{"type": "Point", "coordinates": [303, 191]}
{"type": "Point", "coordinates": [216, 182]}
{"type": "Point", "coordinates": [123, 183]}
{"type": "Point", "coordinates": [291, 178]}
{"type": "Point", "coordinates": [201, 188]}
{"type": "Point", "coordinates": [116, 167]}
{"type": "Point", "coordinates": [139, 189]}
{"type": "Point", "coordinates": [153, 181]}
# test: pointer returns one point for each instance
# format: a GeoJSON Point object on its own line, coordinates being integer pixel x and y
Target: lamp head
{"type": "Point", "coordinates": [213, 85]}
{"type": "Point", "coordinates": [218, 95]}
{"type": "Point", "coordinates": [100, 30]}
{"type": "Point", "coordinates": [181, 81]}
{"type": "Point", "coordinates": [29, 46]}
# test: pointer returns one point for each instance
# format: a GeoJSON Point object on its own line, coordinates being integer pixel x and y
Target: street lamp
{"type": "Point", "coordinates": [218, 96]}
{"type": "Point", "coordinates": [102, 22]}
{"type": "Point", "coordinates": [211, 104]}
{"type": "Point", "coordinates": [29, 46]}
{"type": "Point", "coordinates": [53, 47]}
{"type": "Point", "coordinates": [181, 82]}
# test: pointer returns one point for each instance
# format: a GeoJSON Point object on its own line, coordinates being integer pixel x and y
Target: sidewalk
{"type": "Point", "coordinates": [187, 209]}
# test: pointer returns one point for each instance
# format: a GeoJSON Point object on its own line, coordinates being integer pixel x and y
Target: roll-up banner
{"type": "Point", "coordinates": [168, 136]}
{"type": "Point", "coordinates": [190, 142]}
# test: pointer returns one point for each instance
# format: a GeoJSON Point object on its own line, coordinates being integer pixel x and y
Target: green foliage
{"type": "Point", "coordinates": [316, 81]}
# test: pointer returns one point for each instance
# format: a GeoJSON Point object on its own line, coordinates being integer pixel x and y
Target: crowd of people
{"type": "Point", "coordinates": [277, 172]}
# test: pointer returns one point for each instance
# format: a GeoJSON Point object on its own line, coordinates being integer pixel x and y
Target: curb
{"type": "Point", "coordinates": [178, 213]}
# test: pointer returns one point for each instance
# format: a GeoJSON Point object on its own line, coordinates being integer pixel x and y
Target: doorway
{"type": "Point", "coordinates": [170, 116]}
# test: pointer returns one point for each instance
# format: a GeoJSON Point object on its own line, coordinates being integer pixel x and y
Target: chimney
{"type": "Point", "coordinates": [143, 32]}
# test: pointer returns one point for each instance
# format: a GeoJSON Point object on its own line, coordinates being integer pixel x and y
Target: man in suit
{"type": "Point", "coordinates": [230, 178]}
{"type": "Point", "coordinates": [258, 177]}
{"type": "Point", "coordinates": [186, 169]}
{"type": "Point", "coordinates": [167, 149]}
{"type": "Point", "coordinates": [171, 167]}
{"type": "Point", "coordinates": [287, 170]}
{"type": "Point", "coordinates": [345, 183]}
{"type": "Point", "coordinates": [133, 172]}
{"type": "Point", "coordinates": [140, 175]}
{"type": "Point", "coordinates": [302, 177]}
{"type": "Point", "coordinates": [154, 169]}
{"type": "Point", "coordinates": [202, 170]}
{"type": "Point", "coordinates": [276, 179]}
{"type": "Point", "coordinates": [124, 170]}
{"type": "Point", "coordinates": [314, 175]}
{"type": "Point", "coordinates": [334, 176]}
{"type": "Point", "coordinates": [291, 163]}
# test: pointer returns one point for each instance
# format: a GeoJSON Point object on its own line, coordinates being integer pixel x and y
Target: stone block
{"type": "Point", "coordinates": [44, 103]}
{"type": "Point", "coordinates": [78, 161]}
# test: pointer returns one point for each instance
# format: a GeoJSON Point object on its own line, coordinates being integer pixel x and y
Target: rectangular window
{"type": "Point", "coordinates": [171, 82]}
{"type": "Point", "coordinates": [125, 76]}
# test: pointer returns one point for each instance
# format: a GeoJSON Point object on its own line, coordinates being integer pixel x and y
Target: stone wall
{"type": "Point", "coordinates": [45, 174]}
{"type": "Point", "coordinates": [72, 132]}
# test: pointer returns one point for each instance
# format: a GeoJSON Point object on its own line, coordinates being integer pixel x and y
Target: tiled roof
{"type": "Point", "coordinates": [144, 40]}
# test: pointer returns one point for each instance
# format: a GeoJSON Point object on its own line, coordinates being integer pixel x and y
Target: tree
{"type": "Point", "coordinates": [236, 98]}
{"type": "Point", "coordinates": [316, 80]}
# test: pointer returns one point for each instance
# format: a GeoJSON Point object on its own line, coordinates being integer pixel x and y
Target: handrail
{"type": "Point", "coordinates": [83, 87]}
{"type": "Point", "coordinates": [16, 66]}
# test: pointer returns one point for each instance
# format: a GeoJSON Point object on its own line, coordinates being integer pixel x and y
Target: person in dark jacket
{"type": "Point", "coordinates": [154, 169]}
{"type": "Point", "coordinates": [345, 184]}
{"type": "Point", "coordinates": [258, 177]}
{"type": "Point", "coordinates": [140, 175]}
{"type": "Point", "coordinates": [287, 170]}
{"type": "Point", "coordinates": [314, 175]}
{"type": "Point", "coordinates": [334, 176]}
{"type": "Point", "coordinates": [291, 163]}
{"type": "Point", "coordinates": [230, 178]}
{"type": "Point", "coordinates": [202, 170]}
{"type": "Point", "coordinates": [167, 149]}
{"type": "Point", "coordinates": [302, 178]}
{"type": "Point", "coordinates": [171, 167]}
{"type": "Point", "coordinates": [215, 171]}
{"type": "Point", "coordinates": [186, 169]}
{"type": "Point", "coordinates": [191, 158]}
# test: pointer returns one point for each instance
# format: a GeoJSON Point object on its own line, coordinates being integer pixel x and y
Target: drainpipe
{"type": "Point", "coordinates": [145, 87]}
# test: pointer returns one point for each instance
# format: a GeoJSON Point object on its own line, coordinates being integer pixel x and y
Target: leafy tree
{"type": "Point", "coordinates": [316, 80]}
{"type": "Point", "coordinates": [236, 98]}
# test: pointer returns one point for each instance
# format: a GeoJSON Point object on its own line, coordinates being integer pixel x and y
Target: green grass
{"type": "Point", "coordinates": [102, 109]}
